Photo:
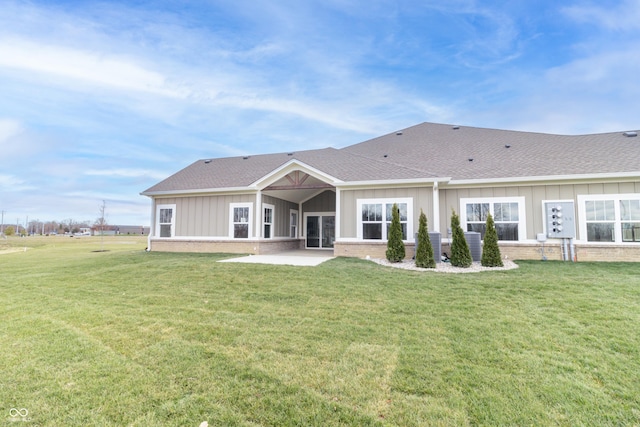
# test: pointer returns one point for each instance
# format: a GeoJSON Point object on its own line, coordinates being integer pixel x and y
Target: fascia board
{"type": "Point", "coordinates": [392, 182]}
{"type": "Point", "coordinates": [548, 179]}
{"type": "Point", "coordinates": [186, 193]}
{"type": "Point", "coordinates": [291, 165]}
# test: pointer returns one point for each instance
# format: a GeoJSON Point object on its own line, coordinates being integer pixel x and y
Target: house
{"type": "Point", "coordinates": [112, 230]}
{"type": "Point", "coordinates": [547, 193]}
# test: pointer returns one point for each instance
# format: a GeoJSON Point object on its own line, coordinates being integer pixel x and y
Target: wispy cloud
{"type": "Point", "coordinates": [102, 101]}
{"type": "Point", "coordinates": [9, 128]}
{"type": "Point", "coordinates": [125, 173]}
{"type": "Point", "coordinates": [623, 16]}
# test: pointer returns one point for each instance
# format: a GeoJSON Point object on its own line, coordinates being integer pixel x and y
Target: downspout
{"type": "Point", "coordinates": [152, 226]}
{"type": "Point", "coordinates": [436, 207]}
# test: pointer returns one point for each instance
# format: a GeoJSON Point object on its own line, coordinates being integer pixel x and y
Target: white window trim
{"type": "Point", "coordinates": [266, 206]}
{"type": "Point", "coordinates": [173, 220]}
{"type": "Point", "coordinates": [409, 202]}
{"type": "Point", "coordinates": [522, 220]}
{"type": "Point", "coordinates": [232, 206]}
{"type": "Point", "coordinates": [296, 225]}
{"type": "Point", "coordinates": [582, 216]}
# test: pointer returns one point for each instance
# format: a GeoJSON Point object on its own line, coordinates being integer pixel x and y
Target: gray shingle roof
{"type": "Point", "coordinates": [445, 151]}
{"type": "Point", "coordinates": [428, 151]}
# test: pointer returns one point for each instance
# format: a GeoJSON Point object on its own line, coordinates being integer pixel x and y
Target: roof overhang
{"type": "Point", "coordinates": [200, 191]}
{"type": "Point", "coordinates": [394, 183]}
{"type": "Point", "coordinates": [551, 179]}
{"type": "Point", "coordinates": [291, 166]}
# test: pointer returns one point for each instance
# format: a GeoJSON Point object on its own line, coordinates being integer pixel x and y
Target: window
{"type": "Point", "coordinates": [165, 220]}
{"type": "Point", "coordinates": [611, 218]}
{"type": "Point", "coordinates": [600, 218]}
{"type": "Point", "coordinates": [240, 227]}
{"type": "Point", "coordinates": [372, 221]}
{"type": "Point", "coordinates": [376, 215]}
{"type": "Point", "coordinates": [267, 221]}
{"type": "Point", "coordinates": [630, 215]}
{"type": "Point", "coordinates": [293, 224]}
{"type": "Point", "coordinates": [507, 213]}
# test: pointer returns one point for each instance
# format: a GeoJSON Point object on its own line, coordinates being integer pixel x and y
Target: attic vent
{"type": "Point", "coordinates": [630, 133]}
{"type": "Point", "coordinates": [455, 127]}
{"type": "Point", "coordinates": [507, 146]}
{"type": "Point", "coordinates": [289, 154]}
{"type": "Point", "coordinates": [399, 132]}
{"type": "Point", "coordinates": [471, 159]}
{"type": "Point", "coordinates": [208, 161]}
{"type": "Point", "coordinates": [245, 157]}
{"type": "Point", "coordinates": [385, 156]}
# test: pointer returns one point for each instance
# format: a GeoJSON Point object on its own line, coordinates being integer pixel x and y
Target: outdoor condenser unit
{"type": "Point", "coordinates": [475, 245]}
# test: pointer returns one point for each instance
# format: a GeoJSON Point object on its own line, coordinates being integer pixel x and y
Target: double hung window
{"type": "Point", "coordinates": [165, 220]}
{"type": "Point", "coordinates": [267, 221]}
{"type": "Point", "coordinates": [375, 217]}
{"type": "Point", "coordinates": [507, 213]}
{"type": "Point", "coordinates": [630, 220]}
{"type": "Point", "coordinates": [293, 223]}
{"type": "Point", "coordinates": [240, 227]}
{"type": "Point", "coordinates": [613, 218]}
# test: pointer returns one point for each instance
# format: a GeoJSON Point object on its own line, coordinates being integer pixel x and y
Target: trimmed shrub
{"type": "Point", "coordinates": [460, 253]}
{"type": "Point", "coordinates": [490, 250]}
{"type": "Point", "coordinates": [395, 245]}
{"type": "Point", "coordinates": [424, 251]}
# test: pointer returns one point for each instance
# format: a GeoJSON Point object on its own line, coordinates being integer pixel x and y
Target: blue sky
{"type": "Point", "coordinates": [99, 101]}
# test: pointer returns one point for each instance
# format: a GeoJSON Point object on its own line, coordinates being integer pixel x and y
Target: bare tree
{"type": "Point", "coordinates": [101, 223]}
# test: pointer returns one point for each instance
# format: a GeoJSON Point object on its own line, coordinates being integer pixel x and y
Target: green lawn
{"type": "Point", "coordinates": [126, 337]}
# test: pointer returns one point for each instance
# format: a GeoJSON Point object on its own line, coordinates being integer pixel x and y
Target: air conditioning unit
{"type": "Point", "coordinates": [436, 243]}
{"type": "Point", "coordinates": [475, 245]}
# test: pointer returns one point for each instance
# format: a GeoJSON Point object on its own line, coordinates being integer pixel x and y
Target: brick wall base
{"type": "Point", "coordinates": [551, 251]}
{"type": "Point", "coordinates": [256, 247]}
{"type": "Point", "coordinates": [507, 250]}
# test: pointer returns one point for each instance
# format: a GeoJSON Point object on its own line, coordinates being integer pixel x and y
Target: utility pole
{"type": "Point", "coordinates": [2, 226]}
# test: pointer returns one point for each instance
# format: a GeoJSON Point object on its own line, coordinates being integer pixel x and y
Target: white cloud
{"type": "Point", "coordinates": [9, 128]}
{"type": "Point", "coordinates": [12, 183]}
{"type": "Point", "coordinates": [86, 66]}
{"type": "Point", "coordinates": [625, 16]}
{"type": "Point", "coordinates": [125, 173]}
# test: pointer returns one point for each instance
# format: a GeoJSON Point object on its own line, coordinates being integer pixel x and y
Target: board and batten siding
{"type": "Point", "coordinates": [323, 202]}
{"type": "Point", "coordinates": [282, 209]}
{"type": "Point", "coordinates": [204, 216]}
{"type": "Point", "coordinates": [534, 196]}
{"type": "Point", "coordinates": [422, 199]}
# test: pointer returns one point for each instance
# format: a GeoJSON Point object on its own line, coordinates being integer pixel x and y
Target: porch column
{"type": "Point", "coordinates": [300, 222]}
{"type": "Point", "coordinates": [258, 220]}
{"type": "Point", "coordinates": [338, 214]}
{"type": "Point", "coordinates": [436, 207]}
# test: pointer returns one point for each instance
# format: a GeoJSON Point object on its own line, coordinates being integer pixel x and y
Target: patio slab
{"type": "Point", "coordinates": [297, 258]}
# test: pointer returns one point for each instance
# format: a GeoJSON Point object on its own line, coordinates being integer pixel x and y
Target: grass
{"type": "Point", "coordinates": [127, 337]}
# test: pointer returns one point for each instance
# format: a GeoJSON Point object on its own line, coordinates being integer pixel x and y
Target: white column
{"type": "Point", "coordinates": [258, 222]}
{"type": "Point", "coordinates": [436, 207]}
{"type": "Point", "coordinates": [300, 223]}
{"type": "Point", "coordinates": [338, 215]}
